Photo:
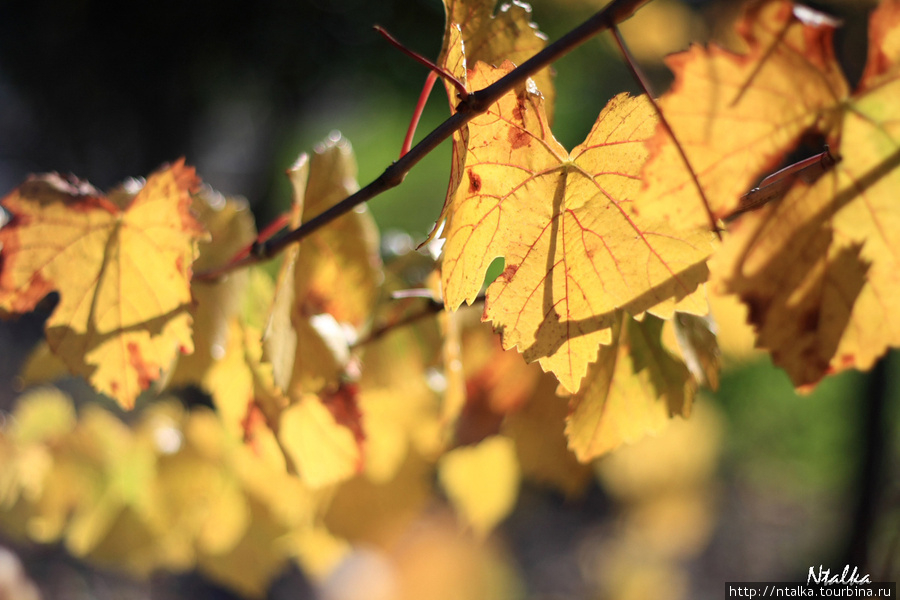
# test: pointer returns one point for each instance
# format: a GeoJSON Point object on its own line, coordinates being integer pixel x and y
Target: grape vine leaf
{"type": "Point", "coordinates": [538, 430]}
{"type": "Point", "coordinates": [323, 437]}
{"type": "Point", "coordinates": [326, 283]}
{"type": "Point", "coordinates": [818, 269]}
{"type": "Point", "coordinates": [493, 38]}
{"type": "Point", "coordinates": [481, 481]}
{"type": "Point", "coordinates": [574, 248]}
{"type": "Point", "coordinates": [469, 37]}
{"type": "Point", "coordinates": [633, 389]}
{"type": "Point", "coordinates": [400, 410]}
{"type": "Point", "coordinates": [737, 114]}
{"type": "Point", "coordinates": [121, 264]}
{"type": "Point", "coordinates": [216, 303]}
{"type": "Point", "coordinates": [496, 382]}
{"type": "Point", "coordinates": [339, 267]}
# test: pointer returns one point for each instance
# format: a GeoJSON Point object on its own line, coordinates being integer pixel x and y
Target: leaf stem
{"type": "Point", "coordinates": [417, 113]}
{"type": "Point", "coordinates": [459, 85]}
{"type": "Point", "coordinates": [639, 76]}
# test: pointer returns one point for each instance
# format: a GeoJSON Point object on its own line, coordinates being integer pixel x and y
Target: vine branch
{"type": "Point", "coordinates": [473, 105]}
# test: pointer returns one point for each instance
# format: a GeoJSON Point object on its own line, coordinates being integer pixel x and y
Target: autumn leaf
{"type": "Point", "coordinates": [492, 38]}
{"type": "Point", "coordinates": [338, 267]}
{"type": "Point", "coordinates": [231, 228]}
{"type": "Point", "coordinates": [473, 33]}
{"type": "Point", "coordinates": [632, 390]}
{"type": "Point", "coordinates": [121, 264]}
{"type": "Point", "coordinates": [575, 249]}
{"type": "Point", "coordinates": [481, 481]}
{"type": "Point", "coordinates": [819, 269]}
{"type": "Point", "coordinates": [736, 115]}
{"type": "Point", "coordinates": [329, 280]}
{"type": "Point", "coordinates": [400, 411]}
{"type": "Point", "coordinates": [323, 440]}
{"type": "Point", "coordinates": [538, 430]}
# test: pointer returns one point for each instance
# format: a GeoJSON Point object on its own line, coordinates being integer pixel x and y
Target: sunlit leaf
{"type": "Point", "coordinates": [737, 114]}
{"type": "Point", "coordinates": [121, 265]}
{"type": "Point", "coordinates": [319, 439]}
{"type": "Point", "coordinates": [481, 481]}
{"type": "Point", "coordinates": [338, 267]}
{"type": "Point", "coordinates": [493, 37]}
{"type": "Point", "coordinates": [817, 269]}
{"type": "Point", "coordinates": [575, 249]}
{"type": "Point", "coordinates": [632, 390]}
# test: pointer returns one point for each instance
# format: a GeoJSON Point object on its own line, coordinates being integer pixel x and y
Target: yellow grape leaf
{"type": "Point", "coordinates": [400, 409]}
{"type": "Point", "coordinates": [474, 33]}
{"type": "Point", "coordinates": [453, 59]}
{"type": "Point", "coordinates": [632, 390]}
{"type": "Point", "coordinates": [231, 228]}
{"type": "Point", "coordinates": [575, 249]}
{"type": "Point", "coordinates": [121, 265]}
{"type": "Point", "coordinates": [737, 114]}
{"type": "Point", "coordinates": [538, 430]}
{"type": "Point", "coordinates": [323, 437]}
{"type": "Point", "coordinates": [492, 38]}
{"type": "Point", "coordinates": [280, 335]}
{"type": "Point", "coordinates": [332, 278]}
{"type": "Point", "coordinates": [497, 382]}
{"type": "Point", "coordinates": [339, 266]}
{"type": "Point", "coordinates": [819, 270]}
{"type": "Point", "coordinates": [481, 481]}
{"type": "Point", "coordinates": [734, 336]}
{"type": "Point", "coordinates": [378, 513]}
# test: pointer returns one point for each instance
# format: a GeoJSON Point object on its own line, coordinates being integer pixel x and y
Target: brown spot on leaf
{"type": "Point", "coordinates": [343, 404]}
{"type": "Point", "coordinates": [518, 138]}
{"type": "Point", "coordinates": [145, 372]}
{"type": "Point", "coordinates": [848, 361]}
{"type": "Point", "coordinates": [474, 182]}
{"type": "Point", "coordinates": [509, 272]}
{"type": "Point", "coordinates": [519, 110]}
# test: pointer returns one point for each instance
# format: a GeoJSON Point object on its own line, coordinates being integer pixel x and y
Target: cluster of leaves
{"type": "Point", "coordinates": [338, 395]}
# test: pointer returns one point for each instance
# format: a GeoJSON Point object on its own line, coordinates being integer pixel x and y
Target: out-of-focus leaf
{"type": "Point", "coordinates": [632, 390]}
{"type": "Point", "coordinates": [231, 228]}
{"type": "Point", "coordinates": [320, 441]}
{"type": "Point", "coordinates": [481, 481]}
{"type": "Point", "coordinates": [538, 430]}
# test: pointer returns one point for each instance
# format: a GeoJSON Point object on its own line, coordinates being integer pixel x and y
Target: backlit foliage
{"type": "Point", "coordinates": [343, 407]}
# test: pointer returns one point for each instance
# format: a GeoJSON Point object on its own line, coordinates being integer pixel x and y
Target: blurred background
{"type": "Point", "coordinates": [761, 485]}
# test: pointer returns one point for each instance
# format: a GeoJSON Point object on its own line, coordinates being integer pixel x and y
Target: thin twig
{"type": "Point", "coordinates": [459, 85]}
{"type": "Point", "coordinates": [476, 103]}
{"type": "Point", "coordinates": [431, 306]}
{"type": "Point", "coordinates": [417, 113]}
{"type": "Point", "coordinates": [639, 76]}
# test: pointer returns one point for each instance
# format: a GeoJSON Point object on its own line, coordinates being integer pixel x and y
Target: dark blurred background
{"type": "Point", "coordinates": [111, 90]}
